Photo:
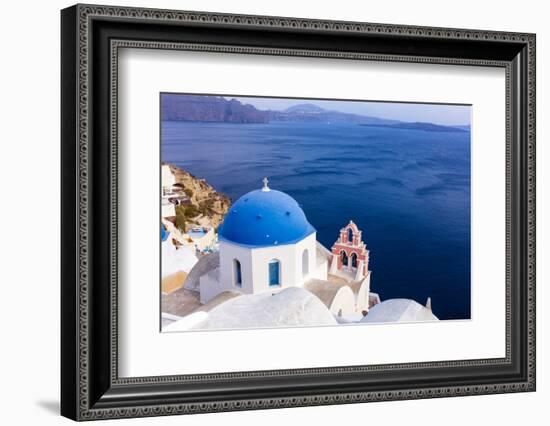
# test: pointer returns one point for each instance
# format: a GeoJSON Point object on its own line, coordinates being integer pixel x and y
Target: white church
{"type": "Point", "coordinates": [266, 245]}
{"type": "Point", "coordinates": [270, 271]}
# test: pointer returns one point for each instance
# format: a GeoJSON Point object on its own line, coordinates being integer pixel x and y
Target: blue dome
{"type": "Point", "coordinates": [164, 234]}
{"type": "Point", "coordinates": [265, 218]}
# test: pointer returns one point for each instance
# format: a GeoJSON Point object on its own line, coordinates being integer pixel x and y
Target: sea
{"type": "Point", "coordinates": [407, 190]}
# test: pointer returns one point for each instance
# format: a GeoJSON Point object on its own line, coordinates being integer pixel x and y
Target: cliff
{"type": "Point", "coordinates": [207, 206]}
{"type": "Point", "coordinates": [216, 109]}
{"type": "Point", "coordinates": [313, 113]}
{"type": "Point", "coordinates": [209, 109]}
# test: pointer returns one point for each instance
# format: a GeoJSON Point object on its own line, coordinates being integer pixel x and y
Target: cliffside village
{"type": "Point", "coordinates": [257, 263]}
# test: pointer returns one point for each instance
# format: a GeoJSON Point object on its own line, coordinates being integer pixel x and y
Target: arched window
{"type": "Point", "coordinates": [354, 260]}
{"type": "Point", "coordinates": [238, 277]}
{"type": "Point", "coordinates": [274, 272]}
{"type": "Point", "coordinates": [350, 235]}
{"type": "Point", "coordinates": [305, 263]}
{"type": "Point", "coordinates": [344, 258]}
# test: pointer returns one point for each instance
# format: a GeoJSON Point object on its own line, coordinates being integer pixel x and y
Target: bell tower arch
{"type": "Point", "coordinates": [350, 252]}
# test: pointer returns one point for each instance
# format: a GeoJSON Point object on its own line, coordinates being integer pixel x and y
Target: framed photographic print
{"type": "Point", "coordinates": [263, 212]}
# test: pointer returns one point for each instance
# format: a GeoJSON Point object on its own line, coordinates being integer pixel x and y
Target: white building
{"type": "Point", "coordinates": [167, 183]}
{"type": "Point", "coordinates": [176, 262]}
{"type": "Point", "coordinates": [167, 178]}
{"type": "Point", "coordinates": [271, 271]}
{"type": "Point", "coordinates": [172, 194]}
{"type": "Point", "coordinates": [266, 244]}
{"type": "Point", "coordinates": [400, 310]}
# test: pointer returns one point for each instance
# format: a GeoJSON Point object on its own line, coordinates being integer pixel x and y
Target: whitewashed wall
{"type": "Point", "coordinates": [255, 261]}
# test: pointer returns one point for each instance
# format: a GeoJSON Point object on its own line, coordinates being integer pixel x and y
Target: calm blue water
{"type": "Point", "coordinates": [408, 190]}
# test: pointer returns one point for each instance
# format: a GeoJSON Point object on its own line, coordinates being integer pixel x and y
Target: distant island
{"type": "Point", "coordinates": [313, 113]}
{"type": "Point", "coordinates": [216, 109]}
{"type": "Point", "coordinates": [429, 127]}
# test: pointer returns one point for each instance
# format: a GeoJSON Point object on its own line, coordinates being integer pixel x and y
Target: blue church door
{"type": "Point", "coordinates": [238, 273]}
{"type": "Point", "coordinates": [274, 273]}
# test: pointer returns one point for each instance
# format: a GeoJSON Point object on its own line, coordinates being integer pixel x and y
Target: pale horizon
{"type": "Point", "coordinates": [442, 114]}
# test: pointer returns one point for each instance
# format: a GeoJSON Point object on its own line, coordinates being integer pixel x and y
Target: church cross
{"type": "Point", "coordinates": [265, 181]}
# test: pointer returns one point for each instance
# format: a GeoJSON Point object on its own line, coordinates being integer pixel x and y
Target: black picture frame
{"type": "Point", "coordinates": [90, 386]}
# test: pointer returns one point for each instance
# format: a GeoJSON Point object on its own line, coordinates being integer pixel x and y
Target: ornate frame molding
{"type": "Point", "coordinates": [87, 405]}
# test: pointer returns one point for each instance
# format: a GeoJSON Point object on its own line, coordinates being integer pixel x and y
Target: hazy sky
{"type": "Point", "coordinates": [432, 113]}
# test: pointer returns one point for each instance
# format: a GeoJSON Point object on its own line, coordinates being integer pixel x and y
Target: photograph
{"type": "Point", "coordinates": [298, 212]}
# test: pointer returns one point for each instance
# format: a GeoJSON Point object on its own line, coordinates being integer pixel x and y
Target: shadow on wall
{"type": "Point", "coordinates": [51, 407]}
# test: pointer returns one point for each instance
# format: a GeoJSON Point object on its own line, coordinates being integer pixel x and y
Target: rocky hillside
{"type": "Point", "coordinates": [209, 109]}
{"type": "Point", "coordinates": [208, 207]}
{"type": "Point", "coordinates": [313, 114]}
{"type": "Point", "coordinates": [216, 109]}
